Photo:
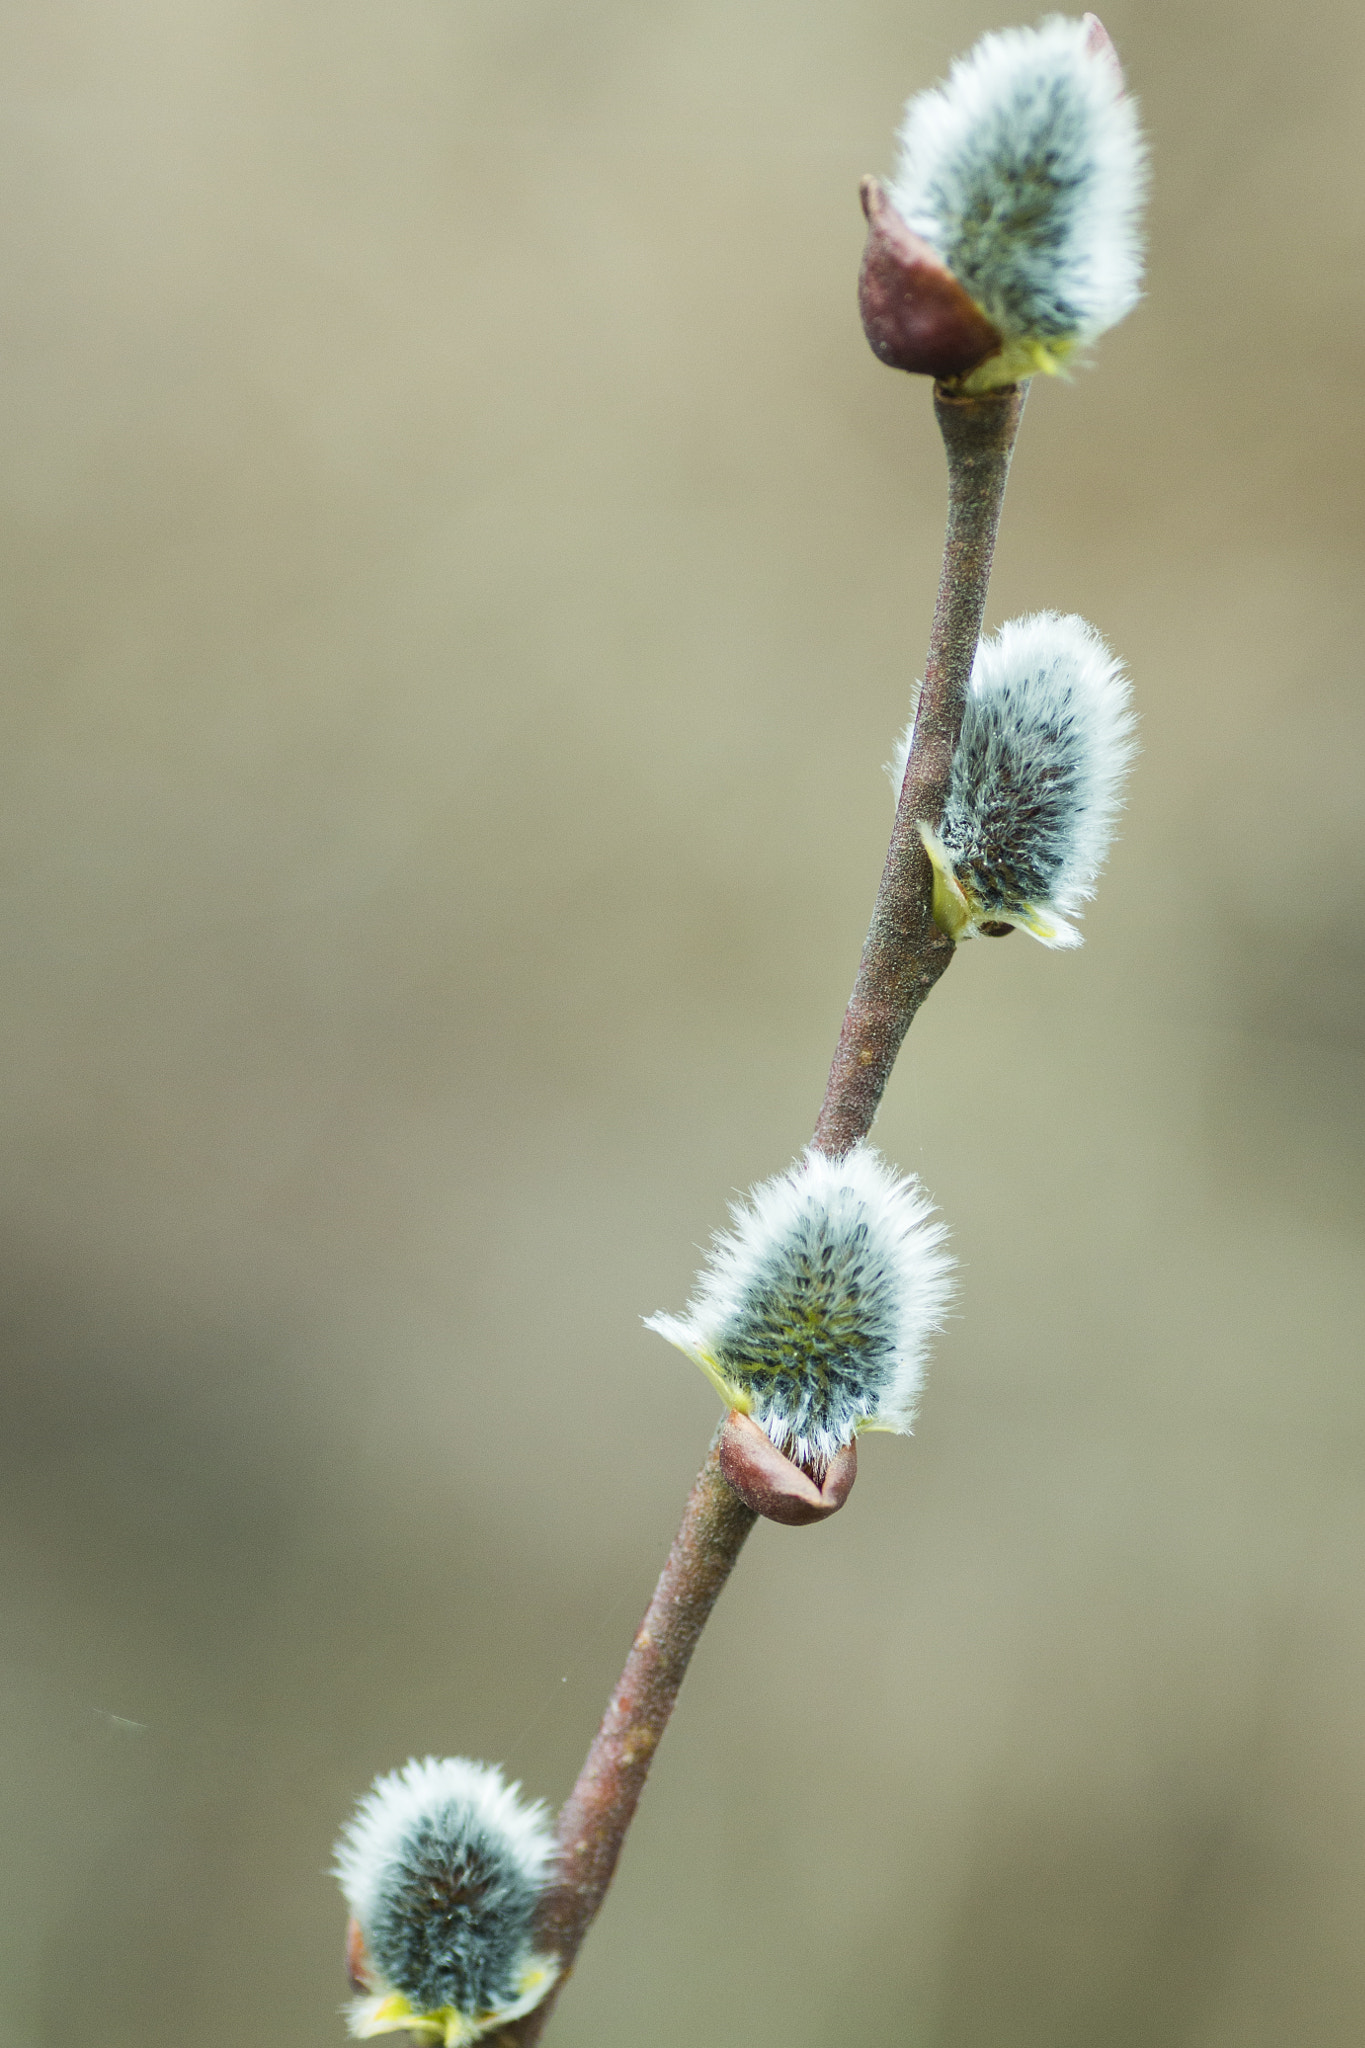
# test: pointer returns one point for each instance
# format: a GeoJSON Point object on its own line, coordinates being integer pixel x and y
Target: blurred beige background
{"type": "Point", "coordinates": [464, 573]}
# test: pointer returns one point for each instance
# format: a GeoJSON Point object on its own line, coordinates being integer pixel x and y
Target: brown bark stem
{"type": "Point", "coordinates": [593, 1821]}
{"type": "Point", "coordinates": [905, 952]}
{"type": "Point", "coordinates": [904, 955]}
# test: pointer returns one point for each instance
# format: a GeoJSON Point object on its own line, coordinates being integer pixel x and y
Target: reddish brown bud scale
{"type": "Point", "coordinates": [772, 1485]}
{"type": "Point", "coordinates": [916, 315]}
{"type": "Point", "coordinates": [1100, 44]}
{"type": "Point", "coordinates": [357, 1961]}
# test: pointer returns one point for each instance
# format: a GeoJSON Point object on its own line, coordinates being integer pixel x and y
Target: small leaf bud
{"type": "Point", "coordinates": [772, 1485]}
{"type": "Point", "coordinates": [916, 315]}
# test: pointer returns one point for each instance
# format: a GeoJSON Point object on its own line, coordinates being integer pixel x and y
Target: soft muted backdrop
{"type": "Point", "coordinates": [464, 573]}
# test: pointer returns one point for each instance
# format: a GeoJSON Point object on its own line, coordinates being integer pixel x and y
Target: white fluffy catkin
{"type": "Point", "coordinates": [814, 1312]}
{"type": "Point", "coordinates": [1037, 779]}
{"type": "Point", "coordinates": [1025, 171]}
{"type": "Point", "coordinates": [442, 1867]}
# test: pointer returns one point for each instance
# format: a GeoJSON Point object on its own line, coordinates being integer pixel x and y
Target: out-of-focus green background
{"type": "Point", "coordinates": [465, 571]}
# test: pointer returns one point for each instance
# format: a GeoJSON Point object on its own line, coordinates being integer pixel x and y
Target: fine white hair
{"type": "Point", "coordinates": [454, 1788]}
{"type": "Point", "coordinates": [1037, 779]}
{"type": "Point", "coordinates": [1026, 170]}
{"type": "Point", "coordinates": [815, 1310]}
{"type": "Point", "coordinates": [442, 1866]}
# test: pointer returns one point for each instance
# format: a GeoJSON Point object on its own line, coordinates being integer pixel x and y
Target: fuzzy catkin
{"type": "Point", "coordinates": [1025, 172]}
{"type": "Point", "coordinates": [442, 1867]}
{"type": "Point", "coordinates": [815, 1309]}
{"type": "Point", "coordinates": [1037, 779]}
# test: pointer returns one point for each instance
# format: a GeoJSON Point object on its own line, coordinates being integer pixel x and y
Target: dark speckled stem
{"type": "Point", "coordinates": [594, 1819]}
{"type": "Point", "coordinates": [903, 957]}
{"type": "Point", "coordinates": [905, 952]}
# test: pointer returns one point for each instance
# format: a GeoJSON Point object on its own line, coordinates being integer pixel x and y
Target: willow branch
{"type": "Point", "coordinates": [903, 957]}
{"type": "Point", "coordinates": [905, 952]}
{"type": "Point", "coordinates": [593, 1821]}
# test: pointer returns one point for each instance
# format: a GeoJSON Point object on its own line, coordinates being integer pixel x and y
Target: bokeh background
{"type": "Point", "coordinates": [464, 573]}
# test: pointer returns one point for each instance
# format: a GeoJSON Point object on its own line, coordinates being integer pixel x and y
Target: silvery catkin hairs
{"type": "Point", "coordinates": [442, 1866]}
{"type": "Point", "coordinates": [1037, 779]}
{"type": "Point", "coordinates": [814, 1311]}
{"type": "Point", "coordinates": [1025, 171]}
